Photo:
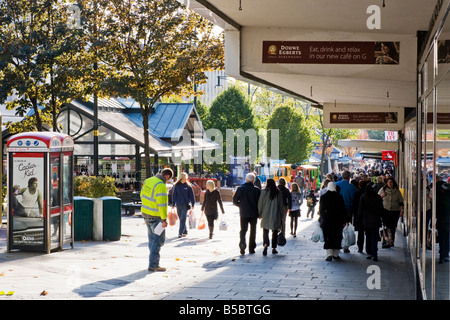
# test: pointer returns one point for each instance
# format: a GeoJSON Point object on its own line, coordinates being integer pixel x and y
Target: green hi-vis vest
{"type": "Point", "coordinates": [154, 198]}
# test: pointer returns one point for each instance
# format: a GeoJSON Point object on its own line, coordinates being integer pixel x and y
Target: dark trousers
{"type": "Point", "coordinates": [210, 219]}
{"type": "Point", "coordinates": [390, 220]}
{"type": "Point", "coordinates": [360, 241]}
{"type": "Point", "coordinates": [372, 241]}
{"type": "Point", "coordinates": [266, 240]}
{"type": "Point", "coordinates": [444, 243]}
{"type": "Point", "coordinates": [245, 222]}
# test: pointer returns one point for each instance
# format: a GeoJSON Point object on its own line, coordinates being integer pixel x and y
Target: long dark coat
{"type": "Point", "coordinates": [333, 216]}
{"type": "Point", "coordinates": [210, 203]}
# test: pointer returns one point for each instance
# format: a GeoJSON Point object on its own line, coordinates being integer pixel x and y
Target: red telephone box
{"type": "Point", "coordinates": [40, 191]}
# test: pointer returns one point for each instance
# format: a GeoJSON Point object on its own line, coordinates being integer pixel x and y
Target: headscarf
{"type": "Point", "coordinates": [331, 186]}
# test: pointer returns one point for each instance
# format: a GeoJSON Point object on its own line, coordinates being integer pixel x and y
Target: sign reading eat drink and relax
{"type": "Point", "coordinates": [331, 52]}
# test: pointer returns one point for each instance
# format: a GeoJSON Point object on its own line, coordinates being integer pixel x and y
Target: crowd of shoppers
{"type": "Point", "coordinates": [368, 201]}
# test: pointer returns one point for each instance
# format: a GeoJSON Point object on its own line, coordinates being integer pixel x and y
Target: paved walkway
{"type": "Point", "coordinates": [200, 268]}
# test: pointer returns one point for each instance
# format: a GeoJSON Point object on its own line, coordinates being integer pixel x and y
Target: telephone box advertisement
{"type": "Point", "coordinates": [27, 199]}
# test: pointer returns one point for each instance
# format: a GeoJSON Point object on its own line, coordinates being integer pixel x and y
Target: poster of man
{"type": "Point", "coordinates": [27, 200]}
{"type": "Point", "coordinates": [30, 202]}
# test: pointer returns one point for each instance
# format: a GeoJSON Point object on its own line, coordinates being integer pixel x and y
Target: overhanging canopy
{"type": "Point", "coordinates": [250, 23]}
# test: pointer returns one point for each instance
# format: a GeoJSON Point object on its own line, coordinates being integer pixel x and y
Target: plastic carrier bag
{"type": "Point", "coordinates": [223, 225]}
{"type": "Point", "coordinates": [202, 222]}
{"type": "Point", "coordinates": [317, 234]}
{"type": "Point", "coordinates": [192, 220]}
{"type": "Point", "coordinates": [348, 236]}
{"type": "Point", "coordinates": [172, 217]}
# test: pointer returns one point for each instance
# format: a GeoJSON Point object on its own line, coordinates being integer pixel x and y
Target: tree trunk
{"type": "Point", "coordinates": [324, 148]}
{"type": "Point", "coordinates": [148, 172]}
{"type": "Point", "coordinates": [37, 115]}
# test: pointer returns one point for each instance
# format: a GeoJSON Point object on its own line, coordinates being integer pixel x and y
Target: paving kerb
{"type": "Point", "coordinates": [202, 268]}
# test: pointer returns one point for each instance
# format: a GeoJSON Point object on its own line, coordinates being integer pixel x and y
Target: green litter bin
{"type": "Point", "coordinates": [83, 218]}
{"type": "Point", "coordinates": [112, 218]}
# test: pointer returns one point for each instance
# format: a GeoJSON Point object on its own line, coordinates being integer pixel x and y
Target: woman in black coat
{"type": "Point", "coordinates": [209, 206]}
{"type": "Point", "coordinates": [333, 217]}
{"type": "Point", "coordinates": [371, 209]}
{"type": "Point", "coordinates": [358, 219]}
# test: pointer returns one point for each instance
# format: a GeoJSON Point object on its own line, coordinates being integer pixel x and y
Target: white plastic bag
{"type": "Point", "coordinates": [192, 220]}
{"type": "Point", "coordinates": [223, 224]}
{"type": "Point", "coordinates": [317, 234]}
{"type": "Point", "coordinates": [348, 236]}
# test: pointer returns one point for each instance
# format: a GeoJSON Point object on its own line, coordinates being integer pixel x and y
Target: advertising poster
{"type": "Point", "coordinates": [27, 199]}
{"type": "Point", "coordinates": [331, 52]}
{"type": "Point", "coordinates": [363, 117]}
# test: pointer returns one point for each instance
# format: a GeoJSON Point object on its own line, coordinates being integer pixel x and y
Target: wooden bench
{"type": "Point", "coordinates": [130, 207]}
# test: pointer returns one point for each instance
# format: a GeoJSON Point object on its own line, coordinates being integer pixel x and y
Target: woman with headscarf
{"type": "Point", "coordinates": [333, 218]}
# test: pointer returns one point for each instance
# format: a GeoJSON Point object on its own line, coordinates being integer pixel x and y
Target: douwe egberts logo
{"type": "Point", "coordinates": [272, 50]}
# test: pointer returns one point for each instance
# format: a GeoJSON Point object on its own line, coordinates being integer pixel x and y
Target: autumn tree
{"type": "Point", "coordinates": [156, 48]}
{"type": "Point", "coordinates": [39, 55]}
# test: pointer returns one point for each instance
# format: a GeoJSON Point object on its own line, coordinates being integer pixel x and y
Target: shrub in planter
{"type": "Point", "coordinates": [94, 187]}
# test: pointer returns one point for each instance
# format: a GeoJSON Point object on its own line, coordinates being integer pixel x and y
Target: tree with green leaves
{"type": "Point", "coordinates": [39, 55]}
{"type": "Point", "coordinates": [156, 48]}
{"type": "Point", "coordinates": [231, 111]}
{"type": "Point", "coordinates": [295, 142]}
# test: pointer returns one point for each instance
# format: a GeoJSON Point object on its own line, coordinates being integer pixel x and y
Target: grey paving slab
{"type": "Point", "coordinates": [202, 269]}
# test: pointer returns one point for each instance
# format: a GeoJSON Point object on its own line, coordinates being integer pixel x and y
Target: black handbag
{"type": "Point", "coordinates": [281, 239]}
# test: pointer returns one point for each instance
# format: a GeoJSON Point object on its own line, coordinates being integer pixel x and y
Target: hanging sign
{"type": "Point", "coordinates": [363, 117]}
{"type": "Point", "coordinates": [331, 52]}
{"type": "Point", "coordinates": [388, 155]}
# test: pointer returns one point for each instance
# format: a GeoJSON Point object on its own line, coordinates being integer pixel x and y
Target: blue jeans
{"type": "Point", "coordinates": [182, 210]}
{"type": "Point", "coordinates": [155, 242]}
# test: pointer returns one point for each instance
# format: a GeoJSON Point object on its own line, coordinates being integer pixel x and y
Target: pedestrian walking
{"type": "Point", "coordinates": [287, 202]}
{"type": "Point", "coordinates": [371, 210]}
{"type": "Point", "coordinates": [333, 217]}
{"type": "Point", "coordinates": [209, 206]}
{"type": "Point", "coordinates": [347, 190]}
{"type": "Point", "coordinates": [300, 181]}
{"type": "Point", "coordinates": [358, 219]}
{"type": "Point", "coordinates": [270, 210]}
{"type": "Point", "coordinates": [443, 219]}
{"type": "Point", "coordinates": [311, 201]}
{"type": "Point", "coordinates": [393, 205]}
{"type": "Point", "coordinates": [183, 198]}
{"type": "Point", "coordinates": [246, 198]}
{"type": "Point", "coordinates": [154, 211]}
{"type": "Point", "coordinates": [323, 187]}
{"type": "Point", "coordinates": [294, 214]}
{"type": "Point", "coordinates": [257, 182]}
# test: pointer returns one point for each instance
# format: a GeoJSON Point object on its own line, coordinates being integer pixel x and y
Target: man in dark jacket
{"type": "Point", "coordinates": [287, 201]}
{"type": "Point", "coordinates": [246, 198]}
{"type": "Point", "coordinates": [370, 210]}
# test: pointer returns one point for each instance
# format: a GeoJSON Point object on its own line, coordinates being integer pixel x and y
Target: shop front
{"type": "Point", "coordinates": [426, 150]}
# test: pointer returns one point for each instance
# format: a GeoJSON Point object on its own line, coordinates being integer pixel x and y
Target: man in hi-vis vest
{"type": "Point", "coordinates": [154, 211]}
